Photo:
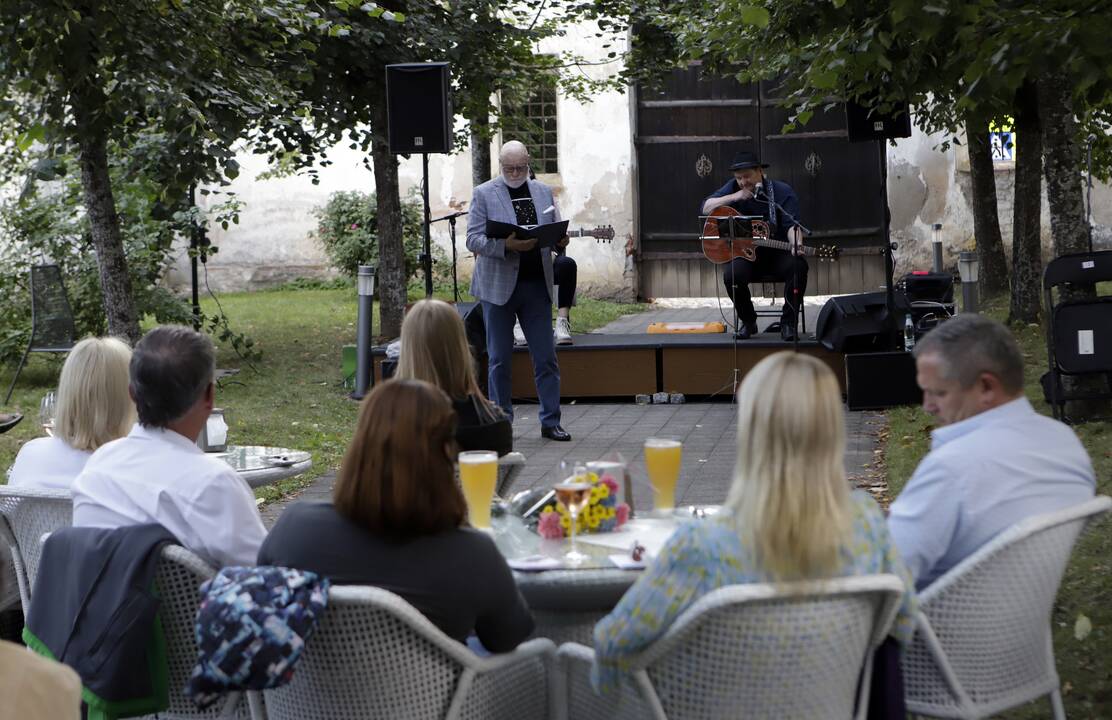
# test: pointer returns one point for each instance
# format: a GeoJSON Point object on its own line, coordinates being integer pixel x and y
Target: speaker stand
{"type": "Point", "coordinates": [426, 256]}
{"type": "Point", "coordinates": [889, 265]}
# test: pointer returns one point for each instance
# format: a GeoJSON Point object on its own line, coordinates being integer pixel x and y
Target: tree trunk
{"type": "Point", "coordinates": [1026, 241]}
{"type": "Point", "coordinates": [480, 151]}
{"type": "Point", "coordinates": [104, 224]}
{"type": "Point", "coordinates": [993, 273]}
{"type": "Point", "coordinates": [391, 251]}
{"type": "Point", "coordinates": [1063, 165]}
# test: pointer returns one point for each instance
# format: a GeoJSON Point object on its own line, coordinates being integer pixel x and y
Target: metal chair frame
{"type": "Point", "coordinates": [43, 272]}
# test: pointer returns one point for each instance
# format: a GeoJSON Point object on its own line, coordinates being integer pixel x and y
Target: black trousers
{"type": "Point", "coordinates": [777, 265]}
{"type": "Point", "coordinates": [564, 272]}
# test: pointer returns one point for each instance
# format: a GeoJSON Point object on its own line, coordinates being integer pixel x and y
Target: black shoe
{"type": "Point", "coordinates": [555, 432]}
{"type": "Point", "coordinates": [787, 332]}
{"type": "Point", "coordinates": [746, 331]}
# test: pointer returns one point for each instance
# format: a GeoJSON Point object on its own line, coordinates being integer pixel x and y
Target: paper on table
{"type": "Point", "coordinates": [649, 532]}
{"type": "Point", "coordinates": [534, 563]}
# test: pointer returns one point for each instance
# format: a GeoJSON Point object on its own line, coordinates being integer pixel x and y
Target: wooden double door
{"type": "Point", "coordinates": [685, 139]}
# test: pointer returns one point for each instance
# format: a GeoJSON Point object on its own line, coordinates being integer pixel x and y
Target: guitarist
{"type": "Point", "coordinates": [751, 193]}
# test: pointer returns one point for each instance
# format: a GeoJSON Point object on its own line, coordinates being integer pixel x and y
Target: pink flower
{"type": "Point", "coordinates": [609, 482]}
{"type": "Point", "coordinates": [548, 527]}
{"type": "Point", "coordinates": [621, 514]}
{"type": "Point", "coordinates": [354, 226]}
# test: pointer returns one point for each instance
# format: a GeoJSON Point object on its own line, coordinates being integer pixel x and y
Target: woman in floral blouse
{"type": "Point", "coordinates": [790, 515]}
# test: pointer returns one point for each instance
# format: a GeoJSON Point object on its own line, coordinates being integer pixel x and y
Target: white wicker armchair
{"type": "Point", "coordinates": [373, 655]}
{"type": "Point", "coordinates": [796, 650]}
{"type": "Point", "coordinates": [179, 579]}
{"type": "Point", "coordinates": [983, 642]}
{"type": "Point", "coordinates": [31, 513]}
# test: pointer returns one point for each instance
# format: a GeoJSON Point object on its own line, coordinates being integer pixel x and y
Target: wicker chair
{"type": "Point", "coordinates": [30, 514]}
{"type": "Point", "coordinates": [180, 574]}
{"type": "Point", "coordinates": [983, 642]}
{"type": "Point", "coordinates": [375, 656]}
{"type": "Point", "coordinates": [795, 650]}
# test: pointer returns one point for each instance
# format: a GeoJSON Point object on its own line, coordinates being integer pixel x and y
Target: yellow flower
{"type": "Point", "coordinates": [594, 522]}
{"type": "Point", "coordinates": [549, 508]}
{"type": "Point", "coordinates": [565, 522]}
{"type": "Point", "coordinates": [603, 492]}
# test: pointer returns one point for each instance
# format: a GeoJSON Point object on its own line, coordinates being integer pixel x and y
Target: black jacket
{"type": "Point", "coordinates": [94, 609]}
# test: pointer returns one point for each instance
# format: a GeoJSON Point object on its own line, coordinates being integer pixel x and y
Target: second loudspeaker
{"type": "Point", "coordinates": [419, 108]}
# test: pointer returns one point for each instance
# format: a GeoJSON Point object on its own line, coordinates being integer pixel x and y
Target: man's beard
{"type": "Point", "coordinates": [514, 184]}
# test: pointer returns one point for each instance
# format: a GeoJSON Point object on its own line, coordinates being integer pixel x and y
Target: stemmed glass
{"type": "Point", "coordinates": [574, 493]}
{"type": "Point", "coordinates": [46, 413]}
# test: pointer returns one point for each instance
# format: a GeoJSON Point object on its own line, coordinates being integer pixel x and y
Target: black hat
{"type": "Point", "coordinates": [743, 160]}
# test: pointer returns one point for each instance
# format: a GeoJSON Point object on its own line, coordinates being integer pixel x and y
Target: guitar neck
{"type": "Point", "coordinates": [781, 245]}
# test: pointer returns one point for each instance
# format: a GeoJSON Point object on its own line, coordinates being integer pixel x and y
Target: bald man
{"type": "Point", "coordinates": [513, 281]}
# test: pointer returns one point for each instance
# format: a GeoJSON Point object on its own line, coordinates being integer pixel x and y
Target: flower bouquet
{"type": "Point", "coordinates": [603, 512]}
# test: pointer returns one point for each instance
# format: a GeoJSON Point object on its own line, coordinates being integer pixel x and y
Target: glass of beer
{"type": "Point", "coordinates": [478, 474]}
{"type": "Point", "coordinates": [662, 461]}
{"type": "Point", "coordinates": [574, 493]}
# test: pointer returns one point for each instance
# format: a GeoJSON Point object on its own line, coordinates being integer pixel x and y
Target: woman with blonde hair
{"type": "Point", "coordinates": [92, 406]}
{"type": "Point", "coordinates": [789, 515]}
{"type": "Point", "coordinates": [434, 349]}
{"type": "Point", "coordinates": [397, 521]}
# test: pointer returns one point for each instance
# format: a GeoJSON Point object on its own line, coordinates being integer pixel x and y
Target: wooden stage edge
{"type": "Point", "coordinates": [615, 366]}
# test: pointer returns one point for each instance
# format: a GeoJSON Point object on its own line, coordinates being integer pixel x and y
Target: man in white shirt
{"type": "Point", "coordinates": [157, 474]}
{"type": "Point", "coordinates": [993, 462]}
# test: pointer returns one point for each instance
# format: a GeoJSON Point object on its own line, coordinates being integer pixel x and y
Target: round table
{"type": "Point", "coordinates": [262, 465]}
{"type": "Point", "coordinates": [567, 602]}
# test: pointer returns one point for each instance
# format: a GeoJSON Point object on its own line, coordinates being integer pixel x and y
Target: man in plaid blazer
{"type": "Point", "coordinates": [513, 279]}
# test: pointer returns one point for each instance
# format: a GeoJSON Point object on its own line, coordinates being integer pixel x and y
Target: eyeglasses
{"type": "Point", "coordinates": [515, 168]}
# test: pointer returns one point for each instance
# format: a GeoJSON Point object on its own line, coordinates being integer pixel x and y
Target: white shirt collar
{"type": "Point", "coordinates": [1015, 408]}
{"type": "Point", "coordinates": [172, 437]}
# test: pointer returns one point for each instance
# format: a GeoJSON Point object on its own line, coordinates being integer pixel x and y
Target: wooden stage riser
{"type": "Point", "coordinates": [625, 372]}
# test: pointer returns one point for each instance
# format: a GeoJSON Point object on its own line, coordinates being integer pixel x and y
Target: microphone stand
{"type": "Point", "coordinates": [795, 258]}
{"type": "Point", "coordinates": [451, 218]}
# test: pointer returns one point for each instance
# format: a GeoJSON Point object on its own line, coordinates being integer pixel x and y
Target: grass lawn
{"type": "Point", "coordinates": [294, 398]}
{"type": "Point", "coordinates": [1085, 665]}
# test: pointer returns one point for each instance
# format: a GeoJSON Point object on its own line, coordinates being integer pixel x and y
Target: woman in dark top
{"type": "Point", "coordinates": [434, 349]}
{"type": "Point", "coordinates": [396, 522]}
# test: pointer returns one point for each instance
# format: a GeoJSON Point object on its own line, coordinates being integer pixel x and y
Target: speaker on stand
{"type": "Point", "coordinates": [419, 120]}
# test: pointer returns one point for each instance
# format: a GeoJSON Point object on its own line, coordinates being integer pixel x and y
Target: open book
{"type": "Point", "coordinates": [546, 234]}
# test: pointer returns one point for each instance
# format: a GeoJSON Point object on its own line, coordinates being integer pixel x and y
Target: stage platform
{"type": "Point", "coordinates": [622, 360]}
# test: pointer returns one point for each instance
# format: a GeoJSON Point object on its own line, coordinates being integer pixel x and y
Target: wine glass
{"type": "Point", "coordinates": [574, 493]}
{"type": "Point", "coordinates": [46, 413]}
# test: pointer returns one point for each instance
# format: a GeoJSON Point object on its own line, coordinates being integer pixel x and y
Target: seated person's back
{"type": "Point", "coordinates": [396, 523]}
{"type": "Point", "coordinates": [789, 515]}
{"type": "Point", "coordinates": [157, 474]}
{"type": "Point", "coordinates": [994, 461]}
{"type": "Point", "coordinates": [434, 349]}
{"type": "Point", "coordinates": [92, 408]}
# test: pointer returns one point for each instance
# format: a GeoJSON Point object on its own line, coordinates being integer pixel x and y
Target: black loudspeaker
{"type": "Point", "coordinates": [923, 286]}
{"type": "Point", "coordinates": [418, 108]}
{"type": "Point", "coordinates": [864, 123]}
{"type": "Point", "coordinates": [881, 380]}
{"type": "Point", "coordinates": [860, 323]}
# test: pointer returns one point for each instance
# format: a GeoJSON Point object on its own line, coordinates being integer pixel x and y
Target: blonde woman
{"type": "Point", "coordinates": [790, 515]}
{"type": "Point", "coordinates": [93, 408]}
{"type": "Point", "coordinates": [435, 350]}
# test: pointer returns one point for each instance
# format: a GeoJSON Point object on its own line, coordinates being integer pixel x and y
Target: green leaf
{"type": "Point", "coordinates": [824, 80]}
{"type": "Point", "coordinates": [754, 15]}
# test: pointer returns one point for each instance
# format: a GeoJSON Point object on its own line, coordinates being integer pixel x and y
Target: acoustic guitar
{"type": "Point", "coordinates": [722, 250]}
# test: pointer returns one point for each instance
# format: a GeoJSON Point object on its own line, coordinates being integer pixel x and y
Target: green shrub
{"type": "Point", "coordinates": [346, 227]}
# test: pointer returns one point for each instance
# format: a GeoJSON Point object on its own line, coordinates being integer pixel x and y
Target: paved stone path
{"type": "Point", "coordinates": [708, 432]}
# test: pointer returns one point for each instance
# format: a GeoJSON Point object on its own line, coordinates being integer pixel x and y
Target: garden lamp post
{"type": "Point", "coordinates": [967, 269]}
{"type": "Point", "coordinates": [365, 286]}
{"type": "Point", "coordinates": [936, 242]}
